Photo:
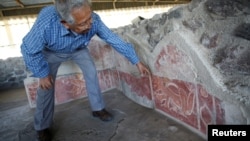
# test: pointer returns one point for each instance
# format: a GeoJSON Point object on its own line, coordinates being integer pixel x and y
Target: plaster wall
{"type": "Point", "coordinates": [199, 57]}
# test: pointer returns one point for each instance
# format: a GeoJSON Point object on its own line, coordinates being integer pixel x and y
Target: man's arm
{"type": "Point", "coordinates": [31, 49]}
{"type": "Point", "coordinates": [121, 46]}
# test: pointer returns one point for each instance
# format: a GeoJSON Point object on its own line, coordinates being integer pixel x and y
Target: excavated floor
{"type": "Point", "coordinates": [73, 121]}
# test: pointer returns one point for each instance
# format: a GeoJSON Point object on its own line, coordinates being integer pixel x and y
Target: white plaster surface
{"type": "Point", "coordinates": [219, 59]}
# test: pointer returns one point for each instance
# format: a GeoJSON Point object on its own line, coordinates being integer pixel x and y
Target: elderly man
{"type": "Point", "coordinates": [62, 32]}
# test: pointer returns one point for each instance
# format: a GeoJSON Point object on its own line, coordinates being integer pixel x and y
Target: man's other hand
{"type": "Point", "coordinates": [46, 82]}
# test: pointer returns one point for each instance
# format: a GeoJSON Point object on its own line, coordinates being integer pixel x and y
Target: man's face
{"type": "Point", "coordinates": [83, 20]}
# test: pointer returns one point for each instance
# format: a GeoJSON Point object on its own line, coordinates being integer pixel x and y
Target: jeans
{"type": "Point", "coordinates": [43, 117]}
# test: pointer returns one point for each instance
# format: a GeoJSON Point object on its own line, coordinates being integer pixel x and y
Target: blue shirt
{"type": "Point", "coordinates": [48, 32]}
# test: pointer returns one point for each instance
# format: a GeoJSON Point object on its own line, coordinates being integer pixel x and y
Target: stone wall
{"type": "Point", "coordinates": [199, 56]}
{"type": "Point", "coordinates": [12, 73]}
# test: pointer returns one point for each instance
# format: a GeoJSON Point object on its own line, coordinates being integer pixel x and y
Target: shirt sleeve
{"type": "Point", "coordinates": [116, 42]}
{"type": "Point", "coordinates": [31, 49]}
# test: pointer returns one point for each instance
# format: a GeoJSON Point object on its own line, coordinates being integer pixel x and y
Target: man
{"type": "Point", "coordinates": [62, 32]}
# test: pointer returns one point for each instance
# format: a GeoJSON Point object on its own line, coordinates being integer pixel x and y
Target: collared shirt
{"type": "Point", "coordinates": [48, 32]}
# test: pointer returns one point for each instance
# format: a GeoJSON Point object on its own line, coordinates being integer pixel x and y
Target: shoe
{"type": "Point", "coordinates": [103, 115]}
{"type": "Point", "coordinates": [43, 135]}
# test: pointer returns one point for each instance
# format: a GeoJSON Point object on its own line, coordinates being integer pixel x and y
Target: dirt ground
{"type": "Point", "coordinates": [73, 121]}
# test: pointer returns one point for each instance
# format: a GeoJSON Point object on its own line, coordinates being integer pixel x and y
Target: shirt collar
{"type": "Point", "coordinates": [64, 31]}
{"type": "Point", "coordinates": [74, 33]}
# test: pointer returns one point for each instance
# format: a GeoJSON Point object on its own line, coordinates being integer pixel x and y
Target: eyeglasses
{"type": "Point", "coordinates": [85, 24]}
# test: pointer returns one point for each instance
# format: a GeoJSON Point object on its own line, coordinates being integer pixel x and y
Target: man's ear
{"type": "Point", "coordinates": [66, 25]}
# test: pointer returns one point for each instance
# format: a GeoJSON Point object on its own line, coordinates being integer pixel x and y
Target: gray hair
{"type": "Point", "coordinates": [64, 8]}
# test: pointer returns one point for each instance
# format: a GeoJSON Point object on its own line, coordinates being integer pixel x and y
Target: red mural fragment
{"type": "Point", "coordinates": [174, 63]}
{"type": "Point", "coordinates": [69, 88]}
{"type": "Point", "coordinates": [161, 58]}
{"type": "Point", "coordinates": [176, 98]}
{"type": "Point", "coordinates": [115, 79]}
{"type": "Point", "coordinates": [31, 92]}
{"type": "Point", "coordinates": [188, 102]}
{"type": "Point", "coordinates": [169, 55]}
{"type": "Point", "coordinates": [101, 53]}
{"type": "Point", "coordinates": [210, 109]}
{"type": "Point", "coordinates": [106, 79]}
{"type": "Point", "coordinates": [98, 51]}
{"type": "Point", "coordinates": [140, 86]}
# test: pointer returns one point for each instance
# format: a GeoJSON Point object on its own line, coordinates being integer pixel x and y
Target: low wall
{"type": "Point", "coordinates": [12, 73]}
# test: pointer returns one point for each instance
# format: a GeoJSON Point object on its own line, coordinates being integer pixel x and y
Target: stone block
{"type": "Point", "coordinates": [69, 87]}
